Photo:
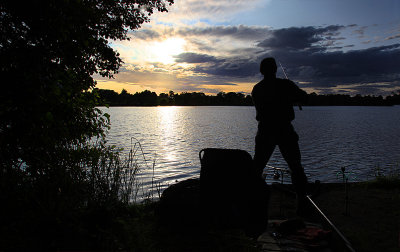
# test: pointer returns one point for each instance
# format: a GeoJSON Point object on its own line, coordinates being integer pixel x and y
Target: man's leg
{"type": "Point", "coordinates": [291, 153]}
{"type": "Point", "coordinates": [263, 151]}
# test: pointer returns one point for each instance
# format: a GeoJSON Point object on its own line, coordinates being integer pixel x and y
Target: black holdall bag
{"type": "Point", "coordinates": [232, 193]}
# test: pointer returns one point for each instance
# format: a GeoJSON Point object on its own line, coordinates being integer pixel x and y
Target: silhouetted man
{"type": "Point", "coordinates": [274, 99]}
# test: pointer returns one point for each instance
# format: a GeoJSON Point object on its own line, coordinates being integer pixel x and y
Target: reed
{"type": "Point", "coordinates": [387, 177]}
{"type": "Point", "coordinates": [85, 197]}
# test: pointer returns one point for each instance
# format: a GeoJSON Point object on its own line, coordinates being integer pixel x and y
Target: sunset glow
{"type": "Point", "coordinates": [164, 51]}
{"type": "Point", "coordinates": [216, 46]}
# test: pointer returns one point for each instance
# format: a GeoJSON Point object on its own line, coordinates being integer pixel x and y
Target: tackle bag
{"type": "Point", "coordinates": [232, 193]}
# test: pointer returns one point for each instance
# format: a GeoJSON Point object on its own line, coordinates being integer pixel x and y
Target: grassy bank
{"type": "Point", "coordinates": [372, 222]}
{"type": "Point", "coordinates": [39, 220]}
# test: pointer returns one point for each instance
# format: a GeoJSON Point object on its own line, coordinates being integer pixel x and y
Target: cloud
{"type": "Point", "coordinates": [360, 31]}
{"type": "Point", "coordinates": [196, 58]}
{"type": "Point", "coordinates": [238, 68]}
{"type": "Point", "coordinates": [228, 57]}
{"type": "Point", "coordinates": [309, 55]}
{"type": "Point", "coordinates": [225, 84]}
{"type": "Point", "coordinates": [145, 34]}
{"type": "Point", "coordinates": [220, 10]}
{"type": "Point", "coordinates": [357, 66]}
{"type": "Point", "coordinates": [393, 37]}
{"type": "Point", "coordinates": [301, 38]}
{"type": "Point", "coordinates": [240, 32]}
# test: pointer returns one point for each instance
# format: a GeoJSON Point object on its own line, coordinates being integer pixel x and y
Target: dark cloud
{"type": "Point", "coordinates": [202, 46]}
{"type": "Point", "coordinates": [393, 37]}
{"type": "Point", "coordinates": [145, 34]}
{"type": "Point", "coordinates": [235, 67]}
{"type": "Point", "coordinates": [360, 31]}
{"type": "Point", "coordinates": [313, 55]}
{"type": "Point", "coordinates": [241, 32]}
{"type": "Point", "coordinates": [370, 65]}
{"type": "Point", "coordinates": [239, 68]}
{"type": "Point", "coordinates": [301, 38]}
{"type": "Point", "coordinates": [223, 84]}
{"type": "Point", "coordinates": [356, 69]}
{"type": "Point", "coordinates": [196, 58]}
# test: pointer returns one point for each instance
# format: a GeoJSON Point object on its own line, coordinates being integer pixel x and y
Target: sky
{"type": "Point", "coordinates": [324, 46]}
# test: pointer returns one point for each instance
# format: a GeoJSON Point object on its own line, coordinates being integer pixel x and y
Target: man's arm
{"type": "Point", "coordinates": [298, 95]}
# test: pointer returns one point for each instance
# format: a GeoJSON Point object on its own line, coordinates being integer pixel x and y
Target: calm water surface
{"type": "Point", "coordinates": [360, 138]}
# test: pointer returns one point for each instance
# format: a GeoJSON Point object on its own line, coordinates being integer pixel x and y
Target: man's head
{"type": "Point", "coordinates": [268, 67]}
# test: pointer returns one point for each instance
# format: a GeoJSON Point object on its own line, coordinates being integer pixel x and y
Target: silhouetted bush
{"type": "Point", "coordinates": [61, 187]}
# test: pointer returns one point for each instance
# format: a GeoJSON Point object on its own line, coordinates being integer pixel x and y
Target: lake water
{"type": "Point", "coordinates": [359, 138]}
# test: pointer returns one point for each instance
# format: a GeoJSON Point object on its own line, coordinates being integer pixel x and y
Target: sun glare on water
{"type": "Point", "coordinates": [168, 117]}
{"type": "Point", "coordinates": [164, 51]}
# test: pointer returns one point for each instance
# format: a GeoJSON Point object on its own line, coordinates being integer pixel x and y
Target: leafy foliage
{"type": "Point", "coordinates": [49, 52]}
{"type": "Point", "coordinates": [58, 178]}
{"type": "Point", "coordinates": [80, 203]}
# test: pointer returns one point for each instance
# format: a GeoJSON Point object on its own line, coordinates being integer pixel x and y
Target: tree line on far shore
{"type": "Point", "coordinates": [149, 98]}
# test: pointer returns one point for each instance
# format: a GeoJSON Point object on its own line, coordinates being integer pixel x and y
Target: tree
{"type": "Point", "coordinates": [163, 99]}
{"type": "Point", "coordinates": [125, 98]}
{"type": "Point", "coordinates": [145, 98]}
{"type": "Point", "coordinates": [49, 51]}
{"type": "Point", "coordinates": [107, 97]}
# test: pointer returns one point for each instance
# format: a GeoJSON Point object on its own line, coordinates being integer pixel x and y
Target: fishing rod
{"type": "Point", "coordinates": [346, 242]}
{"type": "Point", "coordinates": [283, 69]}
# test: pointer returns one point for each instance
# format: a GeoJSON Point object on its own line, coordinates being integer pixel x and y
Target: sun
{"type": "Point", "coordinates": [165, 51]}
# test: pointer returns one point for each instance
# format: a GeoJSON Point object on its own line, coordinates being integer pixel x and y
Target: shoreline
{"type": "Point", "coordinates": [372, 222]}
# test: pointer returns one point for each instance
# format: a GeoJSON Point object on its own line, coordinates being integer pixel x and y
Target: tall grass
{"type": "Point", "coordinates": [81, 197]}
{"type": "Point", "coordinates": [388, 177]}
{"type": "Point", "coordinates": [132, 187]}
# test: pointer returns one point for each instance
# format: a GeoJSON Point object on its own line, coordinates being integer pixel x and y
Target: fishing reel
{"type": "Point", "coordinates": [276, 175]}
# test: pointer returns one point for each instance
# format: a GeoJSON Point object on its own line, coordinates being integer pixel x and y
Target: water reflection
{"type": "Point", "coordinates": [168, 121]}
{"type": "Point", "coordinates": [330, 137]}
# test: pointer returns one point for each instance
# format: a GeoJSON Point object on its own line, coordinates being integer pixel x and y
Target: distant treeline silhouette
{"type": "Point", "coordinates": [148, 98]}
